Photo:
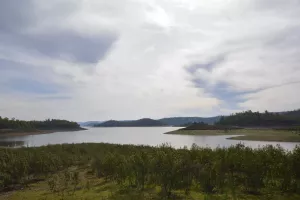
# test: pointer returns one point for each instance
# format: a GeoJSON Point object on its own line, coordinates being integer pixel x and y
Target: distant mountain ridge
{"type": "Point", "coordinates": [90, 123]}
{"type": "Point", "coordinates": [172, 121]}
{"type": "Point", "coordinates": [181, 121]}
{"type": "Point", "coordinates": [145, 122]}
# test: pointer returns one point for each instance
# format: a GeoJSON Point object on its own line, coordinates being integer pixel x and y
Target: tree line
{"type": "Point", "coordinates": [267, 119]}
{"type": "Point", "coordinates": [204, 126]}
{"type": "Point", "coordinates": [49, 124]}
{"type": "Point", "coordinates": [234, 170]}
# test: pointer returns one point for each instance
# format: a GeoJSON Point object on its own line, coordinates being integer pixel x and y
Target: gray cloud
{"type": "Point", "coordinates": [238, 55]}
{"type": "Point", "coordinates": [221, 84]}
{"type": "Point", "coordinates": [16, 15]}
{"type": "Point", "coordinates": [208, 65]}
{"type": "Point", "coordinates": [274, 86]}
{"type": "Point", "coordinates": [70, 46]}
{"type": "Point", "coordinates": [275, 4]}
{"type": "Point", "coordinates": [17, 18]}
{"type": "Point", "coordinates": [23, 78]}
{"type": "Point", "coordinates": [287, 38]}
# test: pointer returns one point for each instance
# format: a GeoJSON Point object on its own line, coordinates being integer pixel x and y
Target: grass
{"type": "Point", "coordinates": [246, 134]}
{"type": "Point", "coordinates": [106, 190]}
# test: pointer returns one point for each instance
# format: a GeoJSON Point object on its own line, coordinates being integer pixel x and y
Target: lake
{"type": "Point", "coordinates": [132, 135]}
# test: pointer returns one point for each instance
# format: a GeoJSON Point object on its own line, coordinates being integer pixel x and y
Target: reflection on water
{"type": "Point", "coordinates": [134, 135]}
{"type": "Point", "coordinates": [12, 144]}
{"type": "Point", "coordinates": [221, 141]}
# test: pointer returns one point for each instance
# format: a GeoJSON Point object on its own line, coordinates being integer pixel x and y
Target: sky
{"type": "Point", "coordinates": [128, 59]}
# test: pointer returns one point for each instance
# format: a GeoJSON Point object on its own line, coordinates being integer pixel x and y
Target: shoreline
{"type": "Point", "coordinates": [265, 135]}
{"type": "Point", "coordinates": [37, 132]}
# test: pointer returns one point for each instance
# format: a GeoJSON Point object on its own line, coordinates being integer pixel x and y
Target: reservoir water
{"type": "Point", "coordinates": [133, 135]}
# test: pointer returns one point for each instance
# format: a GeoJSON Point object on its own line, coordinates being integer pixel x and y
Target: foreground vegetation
{"type": "Point", "coordinates": [108, 171]}
{"type": "Point", "coordinates": [282, 135]}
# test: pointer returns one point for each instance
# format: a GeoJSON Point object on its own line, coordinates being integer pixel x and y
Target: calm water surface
{"type": "Point", "coordinates": [132, 135]}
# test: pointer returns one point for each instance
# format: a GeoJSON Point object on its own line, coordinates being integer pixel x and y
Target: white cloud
{"type": "Point", "coordinates": [145, 69]}
{"type": "Point", "coordinates": [277, 99]}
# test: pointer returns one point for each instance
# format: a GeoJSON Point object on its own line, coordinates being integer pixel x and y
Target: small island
{"type": "Point", "coordinates": [15, 127]}
{"type": "Point", "coordinates": [145, 122]}
{"type": "Point", "coordinates": [254, 126]}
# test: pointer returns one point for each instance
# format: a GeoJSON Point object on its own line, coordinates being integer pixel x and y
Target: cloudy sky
{"type": "Point", "coordinates": [128, 59]}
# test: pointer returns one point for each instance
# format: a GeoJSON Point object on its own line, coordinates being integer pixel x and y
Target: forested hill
{"type": "Point", "coordinates": [180, 121]}
{"type": "Point", "coordinates": [134, 123]}
{"type": "Point", "coordinates": [268, 119]}
{"type": "Point", "coordinates": [53, 124]}
{"type": "Point", "coordinates": [294, 113]}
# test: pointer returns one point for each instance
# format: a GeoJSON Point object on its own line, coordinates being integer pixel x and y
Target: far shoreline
{"type": "Point", "coordinates": [265, 135]}
{"type": "Point", "coordinates": [36, 132]}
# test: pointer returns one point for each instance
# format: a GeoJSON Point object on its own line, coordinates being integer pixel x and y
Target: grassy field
{"type": "Point", "coordinates": [246, 134]}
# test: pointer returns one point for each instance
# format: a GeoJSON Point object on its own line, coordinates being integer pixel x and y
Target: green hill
{"type": "Point", "coordinates": [15, 125]}
{"type": "Point", "coordinates": [266, 119]}
{"type": "Point", "coordinates": [134, 123]}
